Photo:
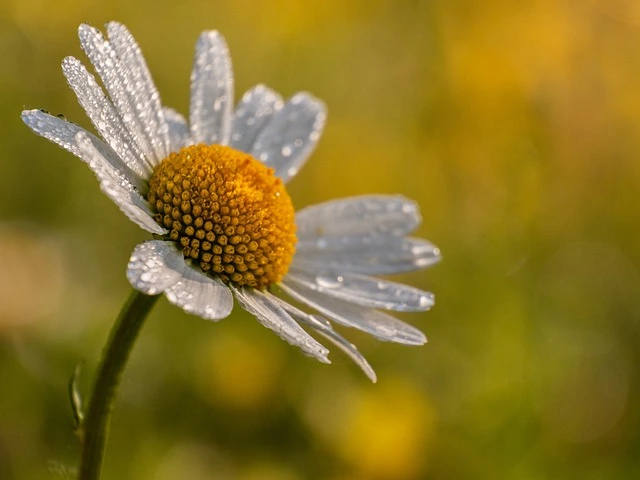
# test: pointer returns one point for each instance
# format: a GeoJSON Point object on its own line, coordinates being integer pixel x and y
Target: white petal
{"type": "Point", "coordinates": [365, 291]}
{"type": "Point", "coordinates": [252, 113]}
{"type": "Point", "coordinates": [63, 133]}
{"type": "Point", "coordinates": [270, 314]}
{"type": "Point", "coordinates": [324, 328]}
{"type": "Point", "coordinates": [121, 88]}
{"type": "Point", "coordinates": [291, 135]}
{"type": "Point", "coordinates": [103, 115]}
{"type": "Point", "coordinates": [116, 186]}
{"type": "Point", "coordinates": [154, 266]}
{"type": "Point", "coordinates": [178, 129]}
{"type": "Point", "coordinates": [142, 87]}
{"type": "Point", "coordinates": [373, 255]}
{"type": "Point", "coordinates": [378, 324]}
{"type": "Point", "coordinates": [55, 129]}
{"type": "Point", "coordinates": [157, 266]}
{"type": "Point", "coordinates": [201, 295]}
{"type": "Point", "coordinates": [211, 91]}
{"type": "Point", "coordinates": [364, 215]}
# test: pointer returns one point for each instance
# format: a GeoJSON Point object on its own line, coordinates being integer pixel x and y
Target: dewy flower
{"type": "Point", "coordinates": [211, 191]}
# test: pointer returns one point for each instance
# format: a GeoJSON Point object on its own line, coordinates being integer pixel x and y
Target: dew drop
{"type": "Point", "coordinates": [322, 320]}
{"type": "Point", "coordinates": [322, 243]}
{"type": "Point", "coordinates": [330, 281]}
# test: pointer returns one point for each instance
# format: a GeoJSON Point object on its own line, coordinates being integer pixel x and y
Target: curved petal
{"type": "Point", "coordinates": [378, 324]}
{"type": "Point", "coordinates": [393, 215]}
{"type": "Point", "coordinates": [142, 86]}
{"type": "Point", "coordinates": [324, 328]}
{"type": "Point", "coordinates": [122, 90]}
{"type": "Point", "coordinates": [252, 113]}
{"type": "Point", "coordinates": [154, 266]}
{"type": "Point", "coordinates": [115, 186]}
{"type": "Point", "coordinates": [104, 116]}
{"type": "Point", "coordinates": [366, 255]}
{"type": "Point", "coordinates": [365, 291]}
{"type": "Point", "coordinates": [201, 295]}
{"type": "Point", "coordinates": [291, 135]}
{"type": "Point", "coordinates": [178, 129]}
{"type": "Point", "coordinates": [211, 90]}
{"type": "Point", "coordinates": [270, 314]}
{"type": "Point", "coordinates": [157, 266]}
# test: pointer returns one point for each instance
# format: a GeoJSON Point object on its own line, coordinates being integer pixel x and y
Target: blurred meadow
{"type": "Point", "coordinates": [515, 125]}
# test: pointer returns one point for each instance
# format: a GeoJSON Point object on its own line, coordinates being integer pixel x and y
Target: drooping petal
{"type": "Point", "coordinates": [368, 255]}
{"type": "Point", "coordinates": [178, 129]}
{"type": "Point", "coordinates": [324, 328]}
{"type": "Point", "coordinates": [115, 186]}
{"type": "Point", "coordinates": [201, 295]}
{"type": "Point", "coordinates": [154, 266]}
{"type": "Point", "coordinates": [211, 91]}
{"type": "Point", "coordinates": [142, 87]}
{"type": "Point", "coordinates": [252, 114]}
{"type": "Point", "coordinates": [392, 215]}
{"type": "Point", "coordinates": [115, 77]}
{"type": "Point", "coordinates": [157, 266]}
{"type": "Point", "coordinates": [291, 134]}
{"type": "Point", "coordinates": [270, 314]}
{"type": "Point", "coordinates": [378, 324]}
{"type": "Point", "coordinates": [365, 291]}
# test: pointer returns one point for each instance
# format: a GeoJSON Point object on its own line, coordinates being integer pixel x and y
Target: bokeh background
{"type": "Point", "coordinates": [515, 125]}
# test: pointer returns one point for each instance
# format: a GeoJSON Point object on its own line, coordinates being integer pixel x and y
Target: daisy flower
{"type": "Point", "coordinates": [212, 192]}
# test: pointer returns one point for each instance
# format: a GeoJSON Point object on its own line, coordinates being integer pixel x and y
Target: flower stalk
{"type": "Point", "coordinates": [95, 428]}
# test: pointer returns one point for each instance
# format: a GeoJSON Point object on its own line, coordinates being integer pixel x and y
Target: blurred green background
{"type": "Point", "coordinates": [514, 124]}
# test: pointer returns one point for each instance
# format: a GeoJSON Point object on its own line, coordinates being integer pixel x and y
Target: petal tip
{"type": "Point", "coordinates": [324, 359]}
{"type": "Point", "coordinates": [86, 29]}
{"type": "Point", "coordinates": [422, 341]}
{"type": "Point", "coordinates": [212, 36]}
{"type": "Point", "coordinates": [309, 97]}
{"type": "Point", "coordinates": [27, 115]}
{"type": "Point", "coordinates": [115, 25]}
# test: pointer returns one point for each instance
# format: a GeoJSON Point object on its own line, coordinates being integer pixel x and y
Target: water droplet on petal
{"type": "Point", "coordinates": [330, 281]}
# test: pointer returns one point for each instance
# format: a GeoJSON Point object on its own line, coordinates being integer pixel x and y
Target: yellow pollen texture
{"type": "Point", "coordinates": [227, 211]}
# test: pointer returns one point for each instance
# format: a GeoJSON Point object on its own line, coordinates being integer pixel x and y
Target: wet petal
{"type": "Point", "coordinates": [63, 133]}
{"type": "Point", "coordinates": [142, 87]}
{"type": "Point", "coordinates": [372, 255]}
{"type": "Point", "coordinates": [366, 291]}
{"type": "Point", "coordinates": [211, 91]}
{"type": "Point", "coordinates": [104, 116]}
{"type": "Point", "coordinates": [392, 215]}
{"type": "Point", "coordinates": [270, 314]}
{"type": "Point", "coordinates": [291, 135]}
{"type": "Point", "coordinates": [324, 328]}
{"type": "Point", "coordinates": [56, 130]}
{"type": "Point", "coordinates": [252, 114]}
{"type": "Point", "coordinates": [154, 266]}
{"type": "Point", "coordinates": [378, 324]}
{"type": "Point", "coordinates": [115, 186]}
{"type": "Point", "coordinates": [201, 295]}
{"type": "Point", "coordinates": [116, 79]}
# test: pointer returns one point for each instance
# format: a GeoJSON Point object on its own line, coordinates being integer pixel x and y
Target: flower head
{"type": "Point", "coordinates": [212, 191]}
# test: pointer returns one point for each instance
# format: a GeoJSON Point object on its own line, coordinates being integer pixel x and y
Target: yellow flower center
{"type": "Point", "coordinates": [227, 211]}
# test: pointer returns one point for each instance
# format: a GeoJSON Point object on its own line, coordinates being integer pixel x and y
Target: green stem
{"type": "Point", "coordinates": [95, 428]}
